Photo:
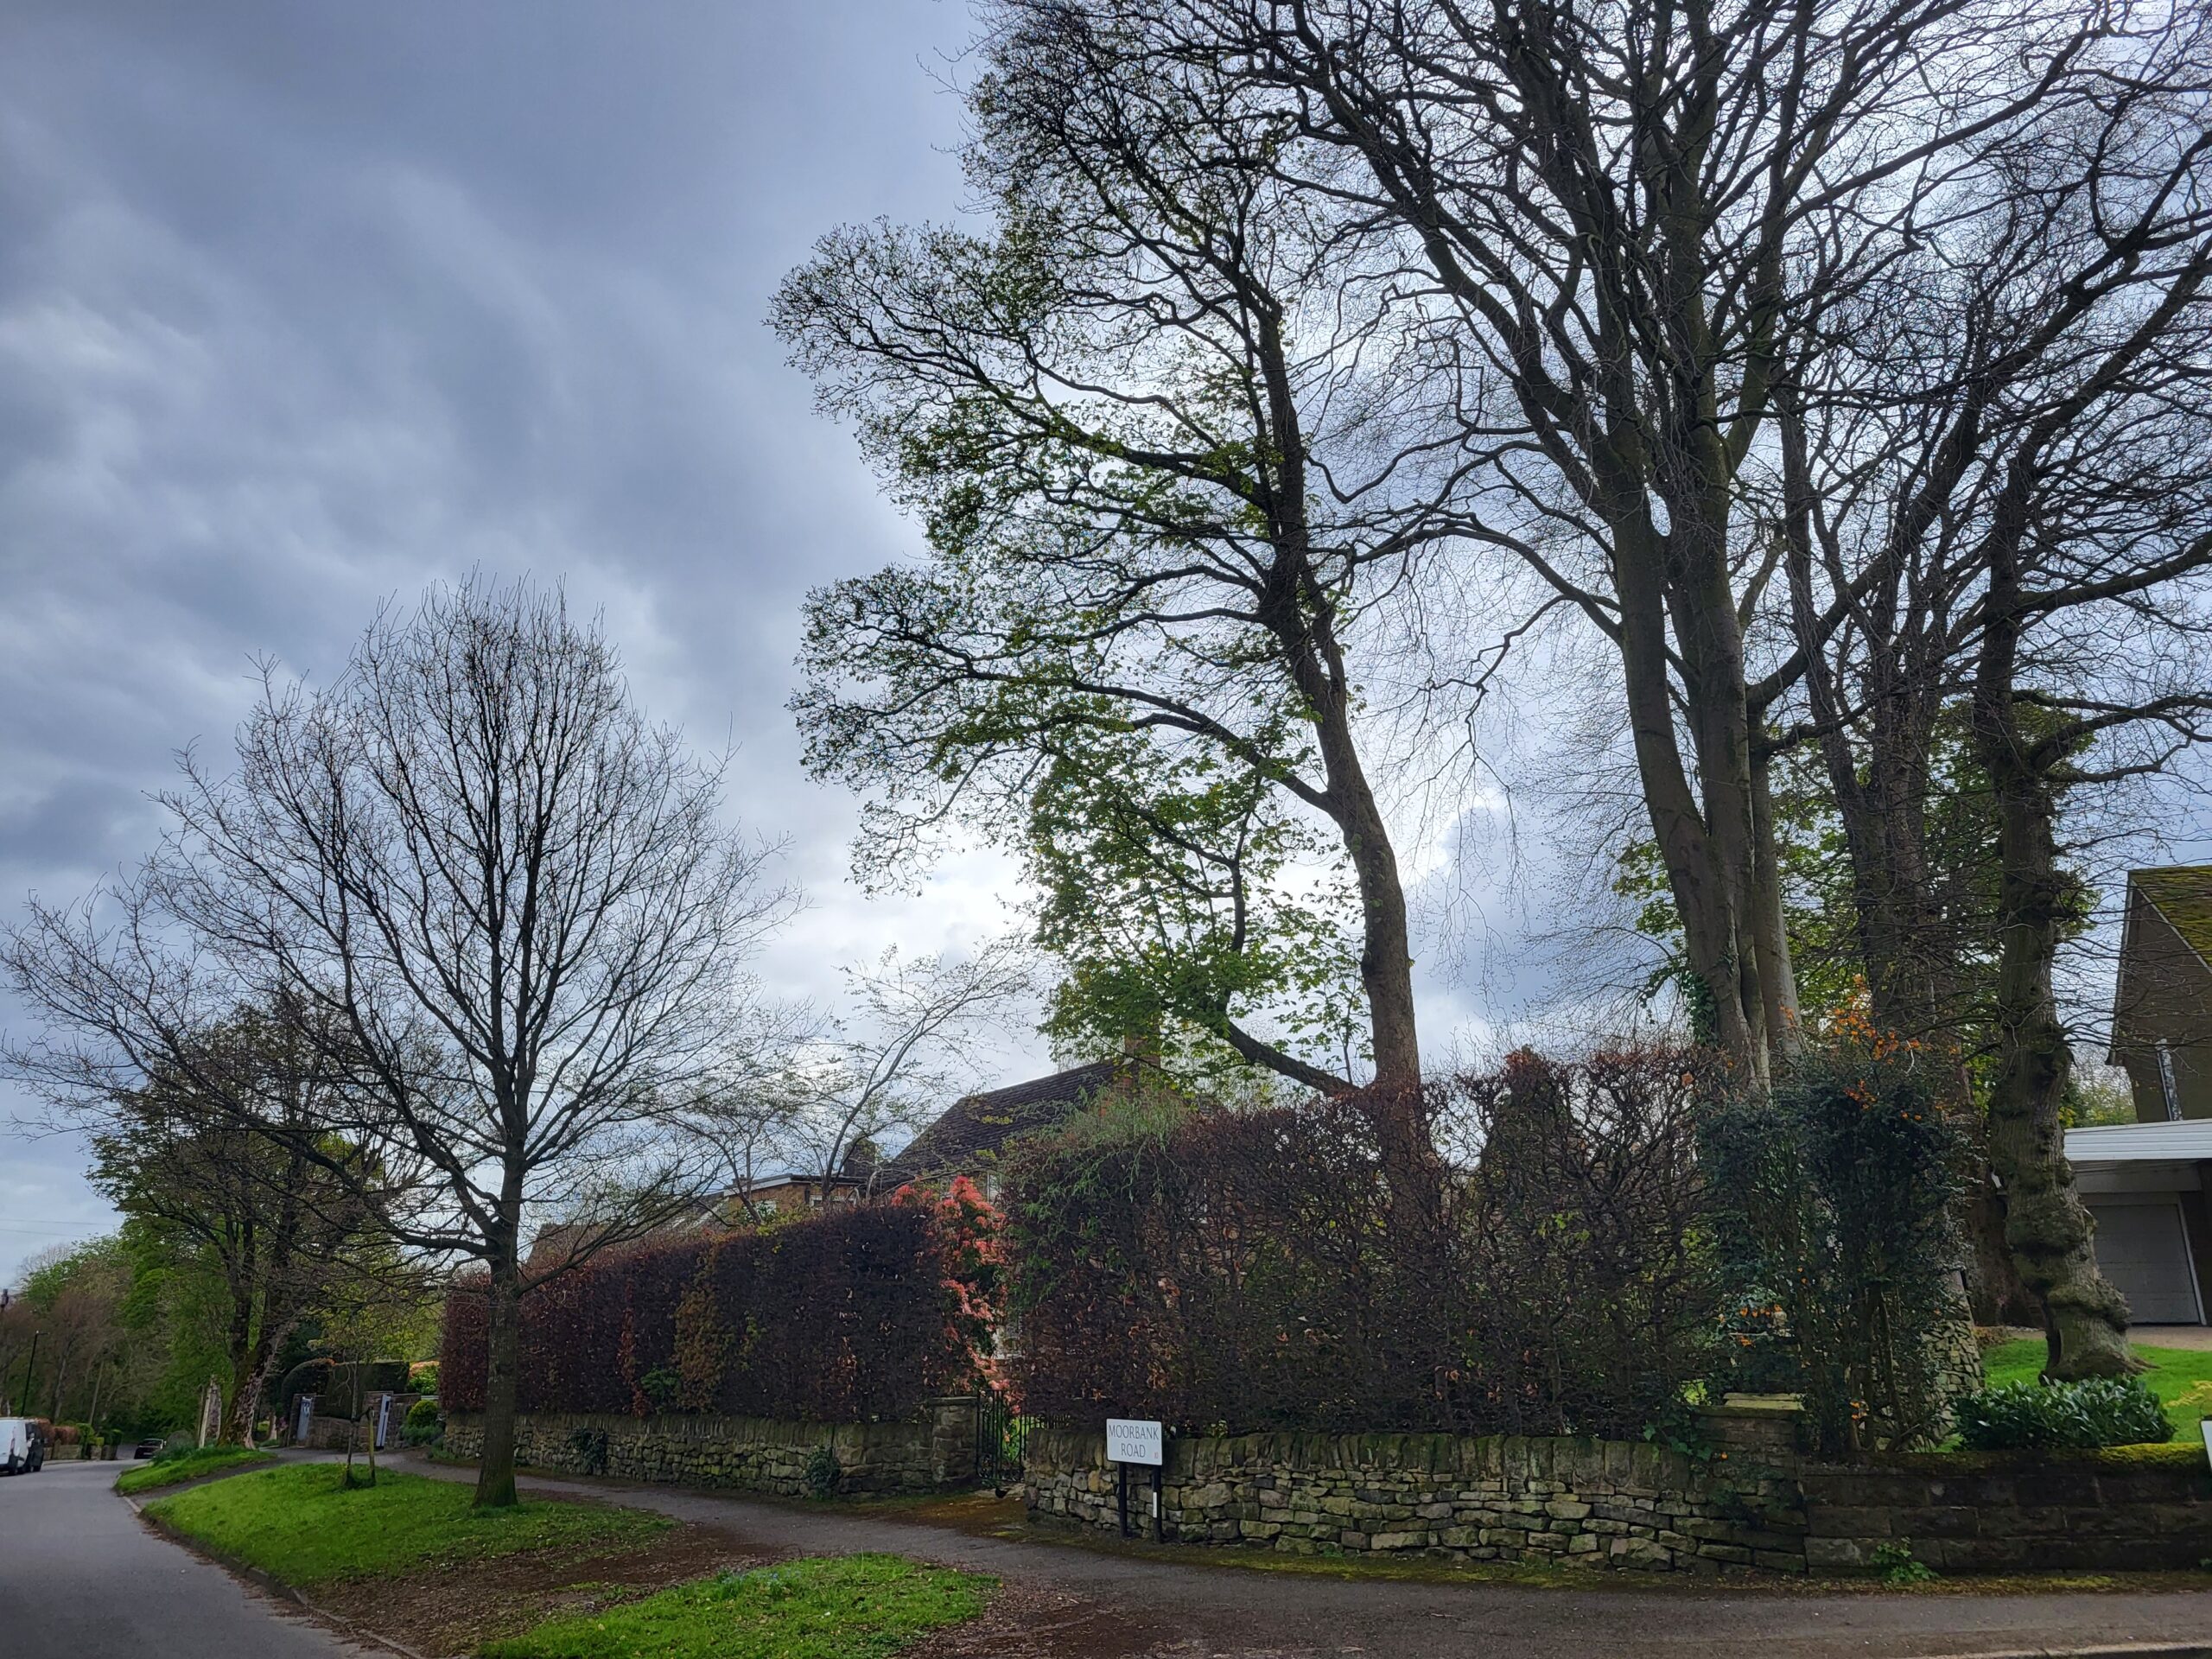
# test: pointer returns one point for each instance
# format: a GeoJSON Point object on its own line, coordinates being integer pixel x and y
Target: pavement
{"type": "Point", "coordinates": [81, 1577]}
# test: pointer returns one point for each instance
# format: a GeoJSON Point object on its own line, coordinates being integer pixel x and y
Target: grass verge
{"type": "Point", "coordinates": [2181, 1377]}
{"type": "Point", "coordinates": [189, 1466]}
{"type": "Point", "coordinates": [303, 1526]}
{"type": "Point", "coordinates": [825, 1607]}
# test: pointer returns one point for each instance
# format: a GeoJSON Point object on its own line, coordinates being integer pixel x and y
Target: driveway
{"type": "Point", "coordinates": [1192, 1611]}
{"type": "Point", "coordinates": [81, 1577]}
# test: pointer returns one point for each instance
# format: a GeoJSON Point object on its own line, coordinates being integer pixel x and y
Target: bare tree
{"type": "Point", "coordinates": [908, 1049]}
{"type": "Point", "coordinates": [499, 905]}
{"type": "Point", "coordinates": [740, 1109]}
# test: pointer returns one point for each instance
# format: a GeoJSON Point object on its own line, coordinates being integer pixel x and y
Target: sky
{"type": "Point", "coordinates": [306, 305]}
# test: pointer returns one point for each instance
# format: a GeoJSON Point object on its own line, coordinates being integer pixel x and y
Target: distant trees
{"type": "Point", "coordinates": [496, 905]}
{"type": "Point", "coordinates": [62, 1338]}
{"type": "Point", "coordinates": [223, 1198]}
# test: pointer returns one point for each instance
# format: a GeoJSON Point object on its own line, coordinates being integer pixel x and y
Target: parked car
{"type": "Point", "coordinates": [22, 1447]}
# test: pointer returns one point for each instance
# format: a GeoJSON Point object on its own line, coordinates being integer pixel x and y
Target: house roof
{"type": "Point", "coordinates": [974, 1130]}
{"type": "Point", "coordinates": [2182, 894]}
{"type": "Point", "coordinates": [2181, 1143]}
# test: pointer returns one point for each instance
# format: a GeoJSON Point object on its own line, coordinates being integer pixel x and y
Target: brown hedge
{"type": "Point", "coordinates": [1248, 1271]}
{"type": "Point", "coordinates": [849, 1315]}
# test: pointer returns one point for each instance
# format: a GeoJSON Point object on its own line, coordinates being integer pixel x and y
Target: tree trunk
{"type": "Point", "coordinates": [266, 1344]}
{"type": "Point", "coordinates": [1778, 977]}
{"type": "Point", "coordinates": [2047, 1227]}
{"type": "Point", "coordinates": [495, 1472]}
{"type": "Point", "coordinates": [246, 1360]}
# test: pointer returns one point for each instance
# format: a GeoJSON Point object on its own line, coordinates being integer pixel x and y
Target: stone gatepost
{"type": "Point", "coordinates": [1763, 1428]}
{"type": "Point", "coordinates": [951, 1418]}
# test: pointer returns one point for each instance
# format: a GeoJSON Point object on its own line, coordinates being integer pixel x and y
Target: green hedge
{"type": "Point", "coordinates": [2104, 1411]}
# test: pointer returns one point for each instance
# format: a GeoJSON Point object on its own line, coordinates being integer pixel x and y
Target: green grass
{"type": "Point", "coordinates": [840, 1607]}
{"type": "Point", "coordinates": [190, 1466]}
{"type": "Point", "coordinates": [302, 1525]}
{"type": "Point", "coordinates": [2181, 1377]}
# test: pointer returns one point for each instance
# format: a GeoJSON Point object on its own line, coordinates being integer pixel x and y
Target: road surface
{"type": "Point", "coordinates": [81, 1577]}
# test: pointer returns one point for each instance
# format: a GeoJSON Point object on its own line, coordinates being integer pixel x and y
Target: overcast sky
{"type": "Point", "coordinates": [303, 306]}
{"type": "Point", "coordinates": [307, 304]}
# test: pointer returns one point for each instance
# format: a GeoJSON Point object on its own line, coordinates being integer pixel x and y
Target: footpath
{"type": "Point", "coordinates": [1118, 1604]}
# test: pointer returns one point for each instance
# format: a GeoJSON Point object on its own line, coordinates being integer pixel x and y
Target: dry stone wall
{"type": "Point", "coordinates": [1451, 1498]}
{"type": "Point", "coordinates": [934, 1452]}
{"type": "Point", "coordinates": [1754, 1506]}
{"type": "Point", "coordinates": [2026, 1516]}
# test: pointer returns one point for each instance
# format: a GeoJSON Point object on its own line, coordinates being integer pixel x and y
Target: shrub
{"type": "Point", "coordinates": [857, 1313]}
{"type": "Point", "coordinates": [1897, 1565]}
{"type": "Point", "coordinates": [823, 1472]}
{"type": "Point", "coordinates": [1249, 1271]}
{"type": "Point", "coordinates": [2103, 1411]}
{"type": "Point", "coordinates": [589, 1448]}
{"type": "Point", "coordinates": [425, 1424]}
{"type": "Point", "coordinates": [1832, 1208]}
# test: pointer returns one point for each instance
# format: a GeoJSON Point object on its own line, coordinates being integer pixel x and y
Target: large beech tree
{"type": "Point", "coordinates": [1625, 214]}
{"type": "Point", "coordinates": [499, 908]}
{"type": "Point", "coordinates": [1176, 467]}
{"type": "Point", "coordinates": [1995, 474]}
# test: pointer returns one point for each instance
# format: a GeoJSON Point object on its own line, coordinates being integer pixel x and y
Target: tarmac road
{"type": "Point", "coordinates": [81, 1577]}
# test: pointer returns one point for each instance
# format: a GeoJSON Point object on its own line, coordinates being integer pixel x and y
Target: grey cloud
{"type": "Point", "coordinates": [304, 304]}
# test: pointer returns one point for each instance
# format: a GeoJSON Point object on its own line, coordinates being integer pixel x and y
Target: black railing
{"type": "Point", "coordinates": [1001, 1435]}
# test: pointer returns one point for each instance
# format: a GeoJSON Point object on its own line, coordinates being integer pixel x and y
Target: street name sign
{"type": "Point", "coordinates": [1130, 1440]}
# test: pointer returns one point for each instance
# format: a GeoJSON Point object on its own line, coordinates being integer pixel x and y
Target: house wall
{"type": "Point", "coordinates": [2165, 991]}
{"type": "Point", "coordinates": [2196, 1216]}
{"type": "Point", "coordinates": [1754, 1507]}
{"type": "Point", "coordinates": [934, 1452]}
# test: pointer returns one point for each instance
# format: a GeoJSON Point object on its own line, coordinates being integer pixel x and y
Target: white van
{"type": "Point", "coordinates": [22, 1448]}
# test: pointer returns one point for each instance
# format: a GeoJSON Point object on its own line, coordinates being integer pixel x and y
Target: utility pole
{"type": "Point", "coordinates": [29, 1364]}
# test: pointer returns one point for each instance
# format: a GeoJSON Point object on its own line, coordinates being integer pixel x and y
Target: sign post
{"type": "Point", "coordinates": [1133, 1440]}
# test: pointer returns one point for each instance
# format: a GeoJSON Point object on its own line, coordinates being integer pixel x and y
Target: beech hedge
{"type": "Point", "coordinates": [1234, 1272]}
{"type": "Point", "coordinates": [855, 1313]}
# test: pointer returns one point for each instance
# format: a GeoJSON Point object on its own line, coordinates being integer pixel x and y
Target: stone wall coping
{"type": "Point", "coordinates": [1757, 1405]}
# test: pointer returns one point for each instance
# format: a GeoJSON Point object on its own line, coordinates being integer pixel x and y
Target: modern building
{"type": "Point", "coordinates": [2146, 1181]}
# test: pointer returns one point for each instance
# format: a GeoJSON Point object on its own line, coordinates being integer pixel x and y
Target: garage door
{"type": "Point", "coordinates": [2142, 1250]}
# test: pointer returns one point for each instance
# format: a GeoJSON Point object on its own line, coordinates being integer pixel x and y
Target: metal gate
{"type": "Point", "coordinates": [1001, 1435]}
